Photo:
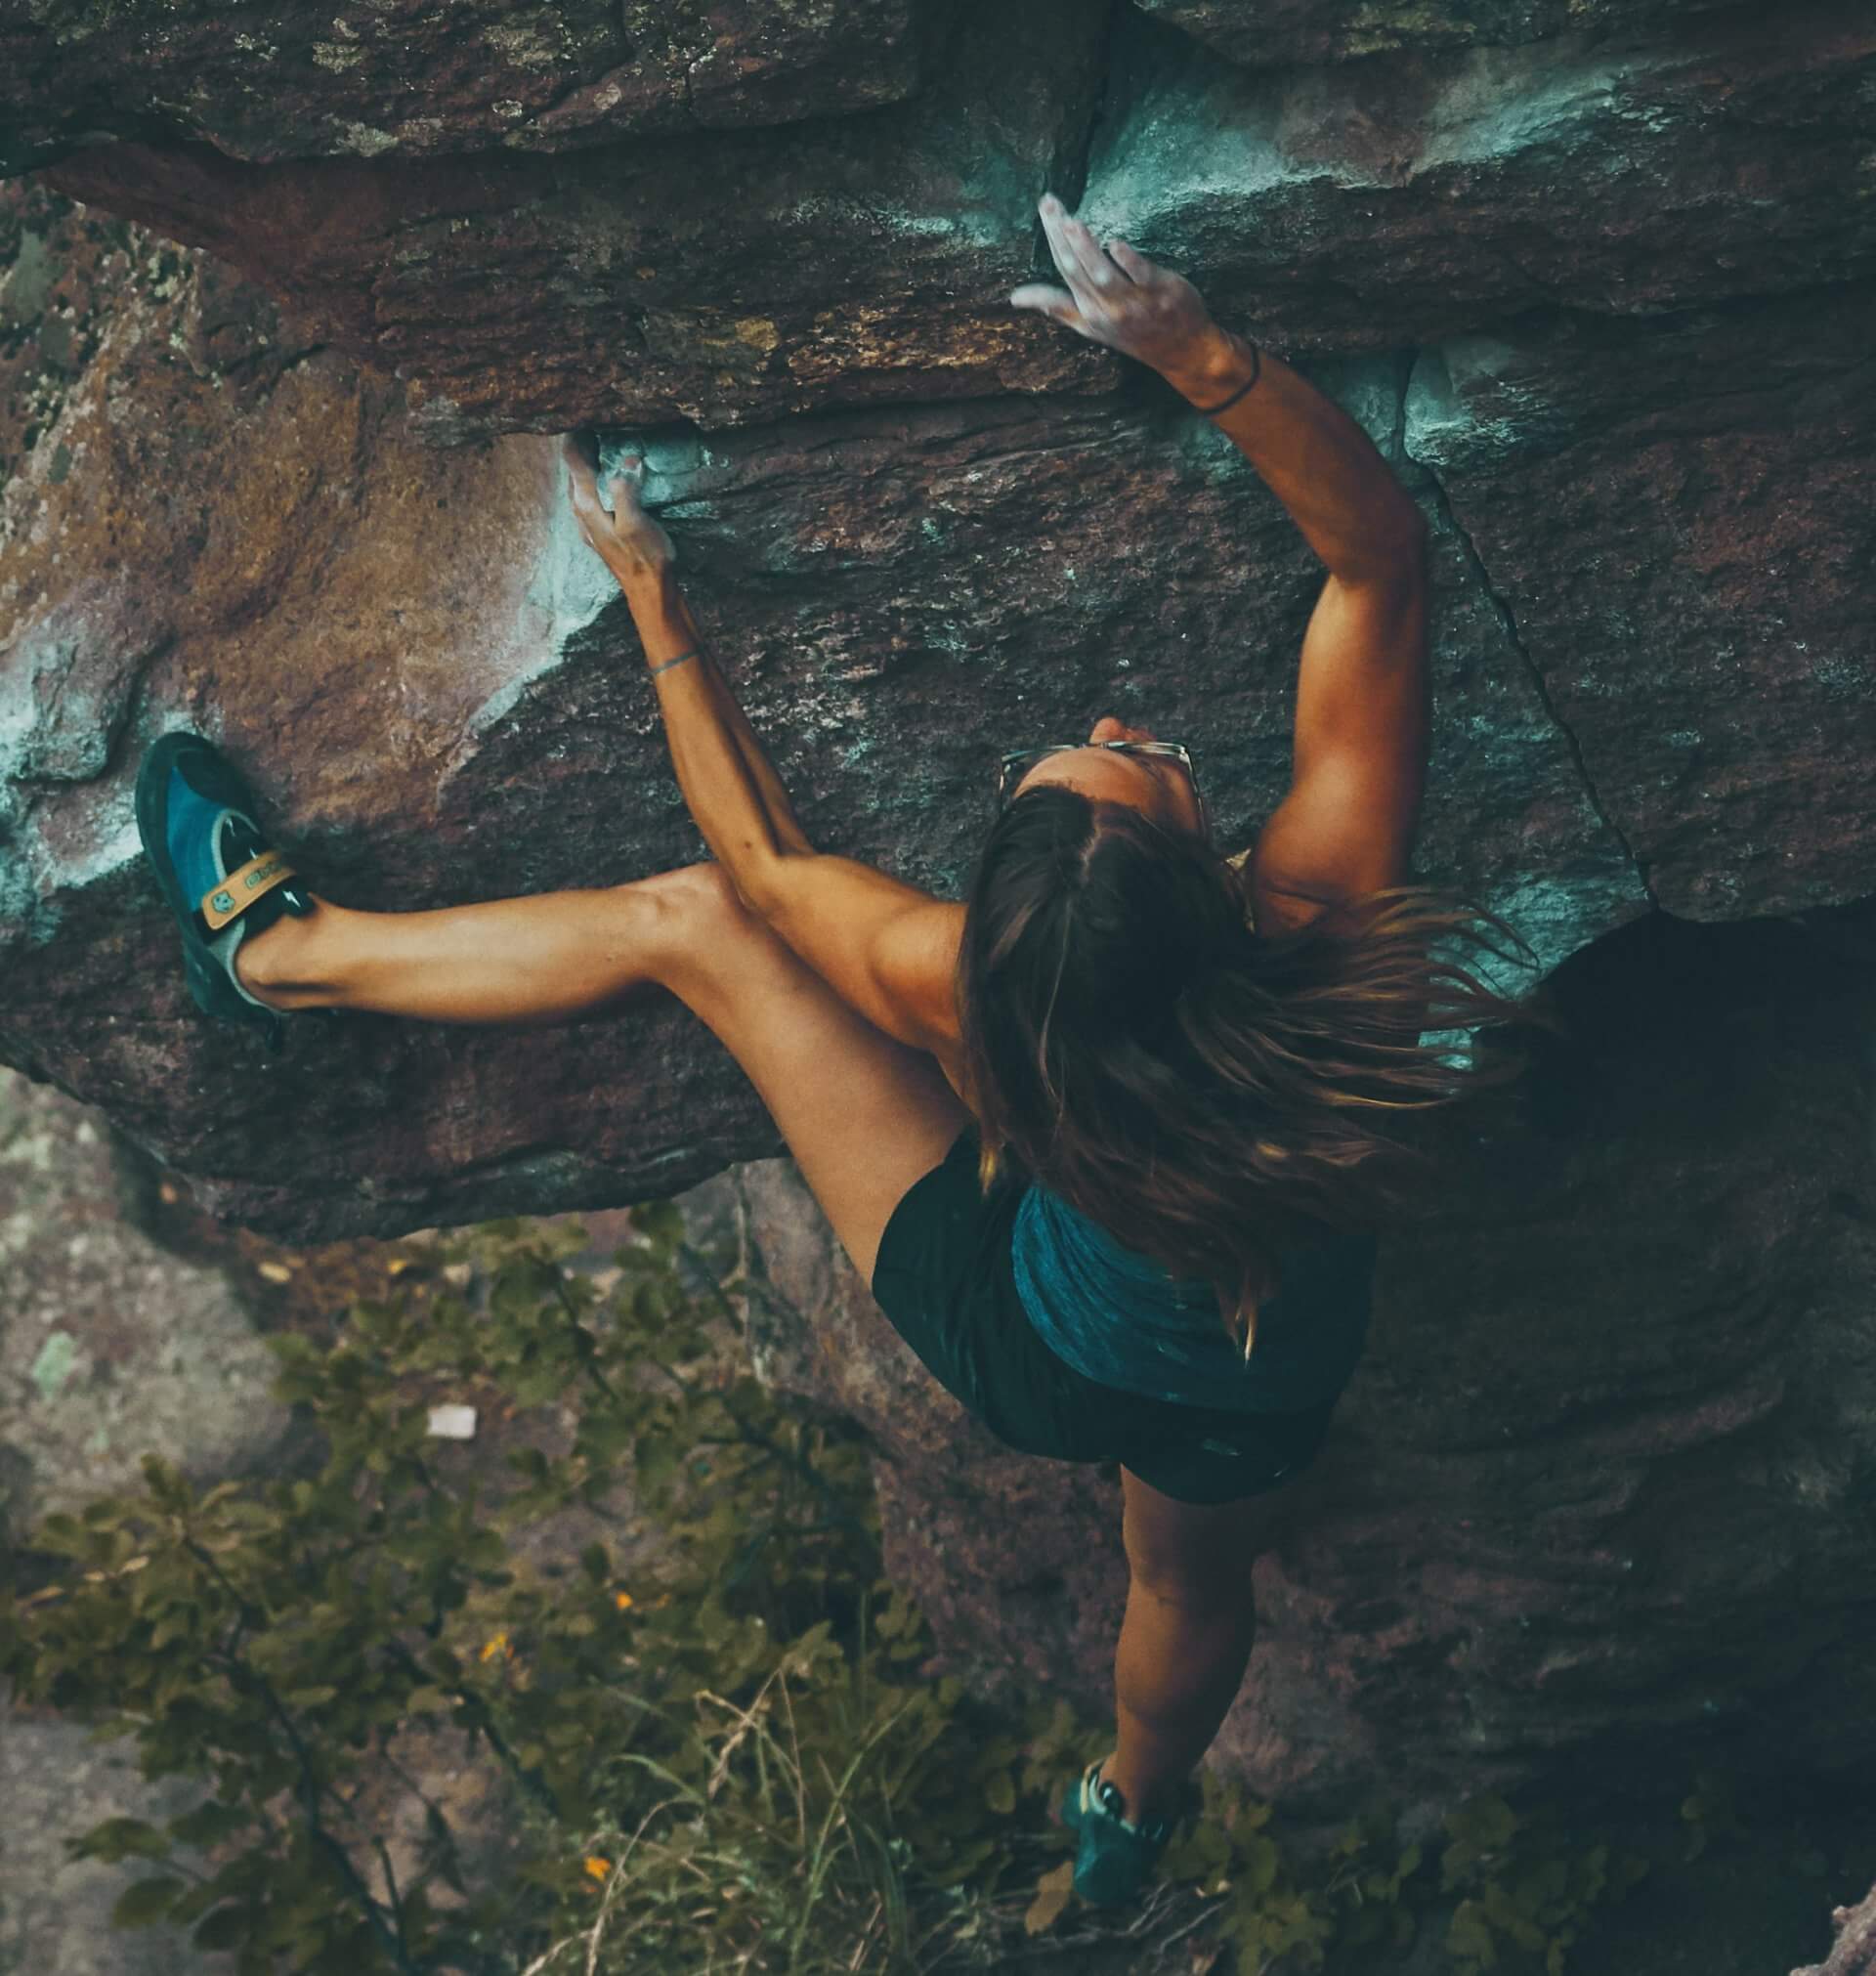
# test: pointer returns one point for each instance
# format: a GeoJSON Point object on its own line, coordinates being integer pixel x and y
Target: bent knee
{"type": "Point", "coordinates": [701, 890]}
{"type": "Point", "coordinates": [699, 923]}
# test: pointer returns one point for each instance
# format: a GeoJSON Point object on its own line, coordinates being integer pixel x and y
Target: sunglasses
{"type": "Point", "coordinates": [1017, 764]}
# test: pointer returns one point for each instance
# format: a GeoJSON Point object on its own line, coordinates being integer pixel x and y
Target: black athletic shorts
{"type": "Point", "coordinates": [944, 1279]}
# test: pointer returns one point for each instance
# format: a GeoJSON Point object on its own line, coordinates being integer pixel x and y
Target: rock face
{"type": "Point", "coordinates": [1855, 1951]}
{"type": "Point", "coordinates": [280, 371]}
{"type": "Point", "coordinates": [57, 1910]}
{"type": "Point", "coordinates": [719, 277]}
{"type": "Point", "coordinates": [295, 81]}
{"type": "Point", "coordinates": [89, 1379]}
{"type": "Point", "coordinates": [432, 684]}
{"type": "Point", "coordinates": [1286, 33]}
{"type": "Point", "coordinates": [725, 278]}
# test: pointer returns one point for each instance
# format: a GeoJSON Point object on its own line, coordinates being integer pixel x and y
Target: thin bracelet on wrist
{"type": "Point", "coordinates": [667, 665]}
{"type": "Point", "coordinates": [1257, 372]}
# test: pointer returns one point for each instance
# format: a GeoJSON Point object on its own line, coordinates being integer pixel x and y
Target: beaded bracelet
{"type": "Point", "coordinates": [678, 661]}
{"type": "Point", "coordinates": [1257, 372]}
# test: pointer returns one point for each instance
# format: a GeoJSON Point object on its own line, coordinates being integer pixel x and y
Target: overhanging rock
{"type": "Point", "coordinates": [1602, 298]}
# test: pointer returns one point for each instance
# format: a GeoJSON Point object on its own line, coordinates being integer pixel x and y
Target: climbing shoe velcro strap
{"type": "Point", "coordinates": [240, 888]}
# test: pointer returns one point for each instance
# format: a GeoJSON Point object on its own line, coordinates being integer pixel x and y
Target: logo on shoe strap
{"type": "Point", "coordinates": [224, 901]}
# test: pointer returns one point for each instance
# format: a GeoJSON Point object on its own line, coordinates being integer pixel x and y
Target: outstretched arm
{"type": "Point", "coordinates": [734, 795]}
{"type": "Point", "coordinates": [885, 947]}
{"type": "Point", "coordinates": [1311, 455]}
{"type": "Point", "coordinates": [1363, 696]}
{"type": "Point", "coordinates": [1364, 691]}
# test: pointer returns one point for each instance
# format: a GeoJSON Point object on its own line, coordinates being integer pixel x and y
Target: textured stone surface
{"type": "Point", "coordinates": [1283, 33]}
{"type": "Point", "coordinates": [414, 76]}
{"type": "Point", "coordinates": [1854, 1953]}
{"type": "Point", "coordinates": [110, 1347]}
{"type": "Point", "coordinates": [433, 687]}
{"type": "Point", "coordinates": [1679, 540]}
{"type": "Point", "coordinates": [1410, 199]}
{"type": "Point", "coordinates": [907, 545]}
{"type": "Point", "coordinates": [1594, 1510]}
{"type": "Point", "coordinates": [723, 276]}
{"type": "Point", "coordinates": [57, 1912]}
{"type": "Point", "coordinates": [732, 277]}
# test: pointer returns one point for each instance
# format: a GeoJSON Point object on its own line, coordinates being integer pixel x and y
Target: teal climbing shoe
{"type": "Point", "coordinates": [220, 878]}
{"type": "Point", "coordinates": [1117, 1856]}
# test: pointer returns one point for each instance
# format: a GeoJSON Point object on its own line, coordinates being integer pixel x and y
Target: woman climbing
{"type": "Point", "coordinates": [1101, 1138]}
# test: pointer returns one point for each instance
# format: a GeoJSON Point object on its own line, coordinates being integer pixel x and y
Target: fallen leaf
{"type": "Point", "coordinates": [1051, 1896]}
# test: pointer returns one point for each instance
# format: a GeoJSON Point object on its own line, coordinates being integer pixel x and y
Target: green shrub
{"type": "Point", "coordinates": [735, 1765]}
{"type": "Point", "coordinates": [732, 1764]}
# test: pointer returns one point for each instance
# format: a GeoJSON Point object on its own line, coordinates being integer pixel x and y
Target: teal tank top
{"type": "Point", "coordinates": [1119, 1319]}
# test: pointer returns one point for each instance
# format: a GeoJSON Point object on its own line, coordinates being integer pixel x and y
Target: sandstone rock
{"type": "Point", "coordinates": [133, 615]}
{"type": "Point", "coordinates": [110, 1347]}
{"type": "Point", "coordinates": [720, 277]}
{"type": "Point", "coordinates": [433, 686]}
{"type": "Point", "coordinates": [1673, 525]}
{"type": "Point", "coordinates": [1405, 200]}
{"type": "Point", "coordinates": [734, 277]}
{"type": "Point", "coordinates": [1283, 33]}
{"type": "Point", "coordinates": [1855, 1951]}
{"type": "Point", "coordinates": [249, 453]}
{"type": "Point", "coordinates": [56, 1914]}
{"type": "Point", "coordinates": [288, 81]}
{"type": "Point", "coordinates": [1596, 1509]}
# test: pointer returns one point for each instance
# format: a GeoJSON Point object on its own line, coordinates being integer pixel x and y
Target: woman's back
{"type": "Point", "coordinates": [1120, 1320]}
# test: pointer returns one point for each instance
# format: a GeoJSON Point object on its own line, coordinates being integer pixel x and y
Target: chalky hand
{"type": "Point", "coordinates": [631, 543]}
{"type": "Point", "coordinates": [1117, 297]}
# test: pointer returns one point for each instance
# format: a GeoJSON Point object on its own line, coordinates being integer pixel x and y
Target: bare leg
{"type": "Point", "coordinates": [1188, 1632]}
{"type": "Point", "coordinates": [864, 1115]}
{"type": "Point", "coordinates": [525, 961]}
{"type": "Point", "coordinates": [1177, 1672]}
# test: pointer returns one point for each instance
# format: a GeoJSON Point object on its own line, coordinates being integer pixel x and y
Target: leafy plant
{"type": "Point", "coordinates": [744, 1741]}
{"type": "Point", "coordinates": [732, 1760]}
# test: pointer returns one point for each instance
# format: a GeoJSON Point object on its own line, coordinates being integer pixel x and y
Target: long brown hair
{"type": "Point", "coordinates": [1204, 1092]}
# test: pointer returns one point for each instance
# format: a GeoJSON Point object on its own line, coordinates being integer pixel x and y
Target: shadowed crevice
{"type": "Point", "coordinates": [1476, 563]}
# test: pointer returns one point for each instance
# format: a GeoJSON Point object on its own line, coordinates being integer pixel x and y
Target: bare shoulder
{"type": "Point", "coordinates": [1364, 712]}
{"type": "Point", "coordinates": [918, 957]}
